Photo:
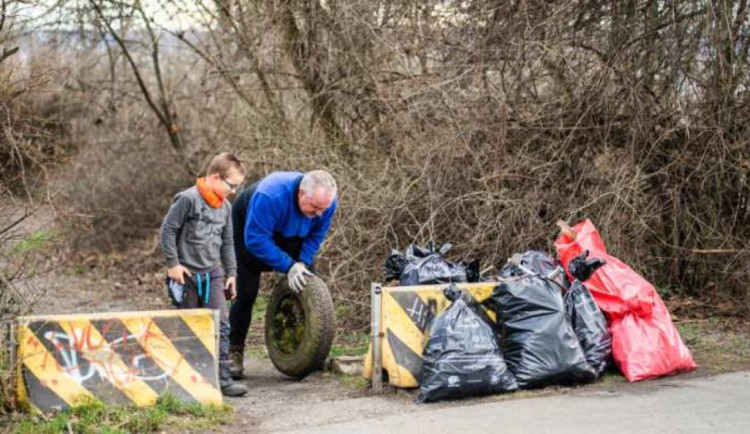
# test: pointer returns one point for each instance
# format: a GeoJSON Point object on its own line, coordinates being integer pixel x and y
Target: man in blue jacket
{"type": "Point", "coordinates": [279, 225]}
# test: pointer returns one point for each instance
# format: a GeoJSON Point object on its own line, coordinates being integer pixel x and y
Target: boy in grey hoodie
{"type": "Point", "coordinates": [198, 247]}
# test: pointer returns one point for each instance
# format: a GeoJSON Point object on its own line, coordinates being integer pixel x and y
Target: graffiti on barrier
{"type": "Point", "coordinates": [84, 354]}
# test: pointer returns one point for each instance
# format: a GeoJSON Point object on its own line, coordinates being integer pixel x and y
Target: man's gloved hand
{"type": "Point", "coordinates": [297, 277]}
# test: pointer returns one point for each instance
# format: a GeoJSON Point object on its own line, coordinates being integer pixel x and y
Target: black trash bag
{"type": "Point", "coordinates": [537, 262]}
{"type": "Point", "coordinates": [587, 319]}
{"type": "Point", "coordinates": [472, 271]}
{"type": "Point", "coordinates": [394, 266]}
{"type": "Point", "coordinates": [396, 263]}
{"type": "Point", "coordinates": [414, 252]}
{"type": "Point", "coordinates": [426, 266]}
{"type": "Point", "coordinates": [583, 268]}
{"type": "Point", "coordinates": [539, 343]}
{"type": "Point", "coordinates": [462, 356]}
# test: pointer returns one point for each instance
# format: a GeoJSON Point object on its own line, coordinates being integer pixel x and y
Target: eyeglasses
{"type": "Point", "coordinates": [232, 187]}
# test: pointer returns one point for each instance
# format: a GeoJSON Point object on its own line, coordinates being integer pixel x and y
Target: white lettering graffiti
{"type": "Point", "coordinates": [103, 358]}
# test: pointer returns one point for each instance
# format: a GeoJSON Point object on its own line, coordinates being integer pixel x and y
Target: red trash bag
{"type": "Point", "coordinates": [645, 342]}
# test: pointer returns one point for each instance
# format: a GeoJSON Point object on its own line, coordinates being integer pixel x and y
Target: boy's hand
{"type": "Point", "coordinates": [230, 289]}
{"type": "Point", "coordinates": [178, 273]}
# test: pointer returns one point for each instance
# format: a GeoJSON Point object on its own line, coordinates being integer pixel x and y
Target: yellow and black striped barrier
{"type": "Point", "coordinates": [124, 358]}
{"type": "Point", "coordinates": [405, 314]}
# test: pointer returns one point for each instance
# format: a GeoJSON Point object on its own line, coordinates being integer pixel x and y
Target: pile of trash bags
{"type": "Point", "coordinates": [558, 322]}
{"type": "Point", "coordinates": [427, 265]}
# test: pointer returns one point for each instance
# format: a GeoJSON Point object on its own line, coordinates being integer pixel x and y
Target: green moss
{"type": "Point", "coordinates": [610, 377]}
{"type": "Point", "coordinates": [355, 381]}
{"type": "Point", "coordinates": [257, 352]}
{"type": "Point", "coordinates": [715, 347]}
{"type": "Point", "coordinates": [35, 242]}
{"type": "Point", "coordinates": [259, 309]}
{"type": "Point", "coordinates": [350, 344]}
{"type": "Point", "coordinates": [289, 325]}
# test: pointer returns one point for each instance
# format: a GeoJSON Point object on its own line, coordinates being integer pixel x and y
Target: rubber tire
{"type": "Point", "coordinates": [316, 342]}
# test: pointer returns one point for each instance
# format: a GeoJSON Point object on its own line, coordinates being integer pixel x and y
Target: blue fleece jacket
{"type": "Point", "coordinates": [274, 209]}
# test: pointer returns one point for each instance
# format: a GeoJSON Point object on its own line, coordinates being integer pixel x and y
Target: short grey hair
{"type": "Point", "coordinates": [316, 179]}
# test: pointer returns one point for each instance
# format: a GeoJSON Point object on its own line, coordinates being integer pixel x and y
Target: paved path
{"type": "Point", "coordinates": [719, 404]}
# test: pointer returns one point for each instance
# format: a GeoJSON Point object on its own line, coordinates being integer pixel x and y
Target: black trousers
{"type": "Point", "coordinates": [248, 284]}
{"type": "Point", "coordinates": [249, 269]}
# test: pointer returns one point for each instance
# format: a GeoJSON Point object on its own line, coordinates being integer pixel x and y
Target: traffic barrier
{"type": "Point", "coordinates": [123, 358]}
{"type": "Point", "coordinates": [405, 314]}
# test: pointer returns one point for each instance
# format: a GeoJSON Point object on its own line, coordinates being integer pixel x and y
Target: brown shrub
{"type": "Point", "coordinates": [480, 123]}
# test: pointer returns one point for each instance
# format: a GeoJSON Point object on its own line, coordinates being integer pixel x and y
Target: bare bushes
{"type": "Point", "coordinates": [19, 266]}
{"type": "Point", "coordinates": [32, 144]}
{"type": "Point", "coordinates": [121, 189]}
{"type": "Point", "coordinates": [480, 123]}
{"type": "Point", "coordinates": [32, 125]}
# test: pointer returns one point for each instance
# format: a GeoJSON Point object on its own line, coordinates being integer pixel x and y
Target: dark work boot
{"type": "Point", "coordinates": [234, 390]}
{"type": "Point", "coordinates": [236, 360]}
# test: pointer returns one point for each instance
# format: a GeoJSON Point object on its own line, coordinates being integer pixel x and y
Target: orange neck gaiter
{"type": "Point", "coordinates": [213, 199]}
